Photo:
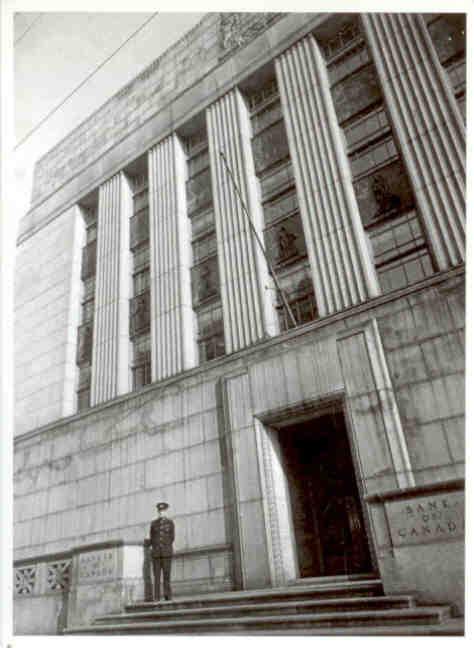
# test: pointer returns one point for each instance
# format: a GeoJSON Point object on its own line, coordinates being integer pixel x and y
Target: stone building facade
{"type": "Point", "coordinates": [155, 356]}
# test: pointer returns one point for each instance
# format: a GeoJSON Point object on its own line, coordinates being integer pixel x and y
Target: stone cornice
{"type": "Point", "coordinates": [170, 115]}
{"type": "Point", "coordinates": [416, 491]}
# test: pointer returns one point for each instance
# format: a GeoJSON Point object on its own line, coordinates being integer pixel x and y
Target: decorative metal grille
{"type": "Point", "coordinates": [264, 94]}
{"type": "Point", "coordinates": [25, 580]}
{"type": "Point", "coordinates": [344, 37]}
{"type": "Point", "coordinates": [58, 576]}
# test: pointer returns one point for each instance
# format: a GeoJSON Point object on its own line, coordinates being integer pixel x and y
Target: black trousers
{"type": "Point", "coordinates": [161, 563]}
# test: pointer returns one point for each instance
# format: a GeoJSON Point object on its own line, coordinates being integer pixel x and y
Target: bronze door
{"type": "Point", "coordinates": [327, 515]}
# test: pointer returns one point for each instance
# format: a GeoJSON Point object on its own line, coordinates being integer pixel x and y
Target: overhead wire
{"type": "Point", "coordinates": [30, 26]}
{"type": "Point", "coordinates": [84, 81]}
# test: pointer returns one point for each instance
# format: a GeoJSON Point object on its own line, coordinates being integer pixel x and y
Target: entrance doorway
{"type": "Point", "coordinates": [329, 528]}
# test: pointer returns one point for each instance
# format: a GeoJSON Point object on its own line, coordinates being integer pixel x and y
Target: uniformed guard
{"type": "Point", "coordinates": [161, 540]}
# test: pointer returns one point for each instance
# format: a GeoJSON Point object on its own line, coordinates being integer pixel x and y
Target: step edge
{"type": "Point", "coordinates": [410, 613]}
{"type": "Point", "coordinates": [374, 600]}
{"type": "Point", "coordinates": [236, 594]}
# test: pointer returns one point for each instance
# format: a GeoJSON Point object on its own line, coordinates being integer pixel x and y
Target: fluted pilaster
{"type": "Point", "coordinates": [246, 304]}
{"type": "Point", "coordinates": [74, 313]}
{"type": "Point", "coordinates": [173, 345]}
{"type": "Point", "coordinates": [110, 356]}
{"type": "Point", "coordinates": [428, 125]}
{"type": "Point", "coordinates": [343, 273]}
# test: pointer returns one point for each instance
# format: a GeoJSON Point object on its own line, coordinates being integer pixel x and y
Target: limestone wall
{"type": "Point", "coordinates": [423, 338]}
{"type": "Point", "coordinates": [47, 280]}
{"type": "Point", "coordinates": [100, 475]}
{"type": "Point", "coordinates": [201, 441]}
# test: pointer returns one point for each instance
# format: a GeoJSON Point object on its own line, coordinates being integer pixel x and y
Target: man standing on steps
{"type": "Point", "coordinates": [161, 540]}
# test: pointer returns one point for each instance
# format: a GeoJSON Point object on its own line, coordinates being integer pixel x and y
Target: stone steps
{"type": "Point", "coordinates": [336, 606]}
{"type": "Point", "coordinates": [353, 619]}
{"type": "Point", "coordinates": [328, 589]}
{"type": "Point", "coordinates": [283, 608]}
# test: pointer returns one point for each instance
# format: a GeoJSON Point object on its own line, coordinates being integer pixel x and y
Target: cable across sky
{"type": "Point", "coordinates": [84, 81]}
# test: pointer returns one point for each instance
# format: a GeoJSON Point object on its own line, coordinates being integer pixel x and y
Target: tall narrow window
{"type": "Point", "coordinates": [205, 270]}
{"type": "Point", "coordinates": [283, 233]}
{"type": "Point", "coordinates": [140, 301]}
{"type": "Point", "coordinates": [86, 328]}
{"type": "Point", "coordinates": [384, 195]}
{"type": "Point", "coordinates": [448, 33]}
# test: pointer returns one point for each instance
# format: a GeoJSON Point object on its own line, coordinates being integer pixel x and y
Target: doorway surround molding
{"type": "Point", "coordinates": [347, 368]}
{"type": "Point", "coordinates": [375, 433]}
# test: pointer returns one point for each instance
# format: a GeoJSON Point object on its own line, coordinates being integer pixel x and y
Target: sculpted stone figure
{"type": "Point", "coordinates": [286, 244]}
{"type": "Point", "coordinates": [161, 540]}
{"type": "Point", "coordinates": [385, 199]}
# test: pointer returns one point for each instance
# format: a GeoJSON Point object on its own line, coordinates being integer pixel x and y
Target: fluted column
{"type": "Point", "coordinates": [343, 273]}
{"type": "Point", "coordinates": [110, 355]}
{"type": "Point", "coordinates": [246, 303]}
{"type": "Point", "coordinates": [428, 125]}
{"type": "Point", "coordinates": [74, 313]}
{"type": "Point", "coordinates": [173, 346]}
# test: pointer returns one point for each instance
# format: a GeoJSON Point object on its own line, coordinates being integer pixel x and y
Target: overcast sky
{"type": "Point", "coordinates": [56, 52]}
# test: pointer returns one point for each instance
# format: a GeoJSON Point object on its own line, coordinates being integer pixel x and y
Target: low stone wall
{"type": "Point", "coordinates": [71, 589]}
{"type": "Point", "coordinates": [419, 534]}
{"type": "Point", "coordinates": [41, 594]}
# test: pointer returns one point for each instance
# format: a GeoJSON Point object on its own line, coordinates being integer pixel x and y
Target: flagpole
{"type": "Point", "coordinates": [260, 244]}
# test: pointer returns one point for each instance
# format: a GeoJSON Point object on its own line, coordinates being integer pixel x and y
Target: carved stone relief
{"type": "Point", "coordinates": [238, 29]}
{"type": "Point", "coordinates": [58, 575]}
{"type": "Point", "coordinates": [25, 580]}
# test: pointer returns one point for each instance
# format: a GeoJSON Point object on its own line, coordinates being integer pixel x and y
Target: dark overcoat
{"type": "Point", "coordinates": [161, 537]}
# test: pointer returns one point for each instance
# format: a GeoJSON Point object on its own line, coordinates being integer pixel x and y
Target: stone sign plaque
{"type": "Point", "coordinates": [426, 519]}
{"type": "Point", "coordinates": [97, 565]}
